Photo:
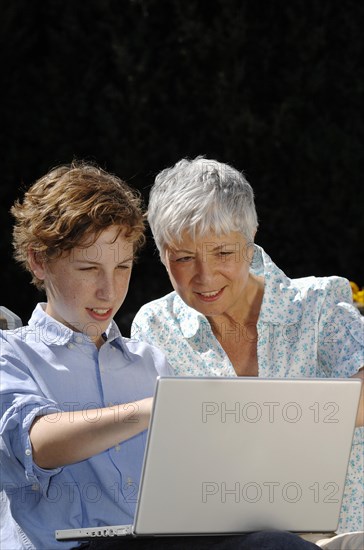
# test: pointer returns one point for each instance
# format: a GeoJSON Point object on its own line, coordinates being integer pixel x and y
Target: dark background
{"type": "Point", "coordinates": [274, 88]}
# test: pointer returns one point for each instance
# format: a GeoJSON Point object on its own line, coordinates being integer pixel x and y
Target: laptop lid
{"type": "Point", "coordinates": [234, 455]}
{"type": "Point", "coordinates": [237, 455]}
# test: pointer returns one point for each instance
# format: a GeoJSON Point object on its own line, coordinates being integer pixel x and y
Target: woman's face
{"type": "Point", "coordinates": [211, 273]}
{"type": "Point", "coordinates": [86, 287]}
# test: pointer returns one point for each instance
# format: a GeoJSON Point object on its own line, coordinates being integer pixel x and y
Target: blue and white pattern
{"type": "Point", "coordinates": [307, 327]}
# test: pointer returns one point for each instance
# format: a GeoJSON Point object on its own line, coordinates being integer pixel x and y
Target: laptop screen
{"type": "Point", "coordinates": [240, 454]}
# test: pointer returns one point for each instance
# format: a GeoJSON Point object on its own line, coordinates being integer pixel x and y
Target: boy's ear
{"type": "Point", "coordinates": [36, 263]}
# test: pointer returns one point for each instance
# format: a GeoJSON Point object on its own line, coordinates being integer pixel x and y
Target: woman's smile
{"type": "Point", "coordinates": [210, 296]}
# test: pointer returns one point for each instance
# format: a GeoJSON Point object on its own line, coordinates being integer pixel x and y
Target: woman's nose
{"type": "Point", "coordinates": [204, 271]}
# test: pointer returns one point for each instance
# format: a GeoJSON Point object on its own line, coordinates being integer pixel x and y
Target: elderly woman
{"type": "Point", "coordinates": [233, 311]}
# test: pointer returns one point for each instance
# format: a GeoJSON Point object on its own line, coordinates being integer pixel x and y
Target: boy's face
{"type": "Point", "coordinates": [86, 287]}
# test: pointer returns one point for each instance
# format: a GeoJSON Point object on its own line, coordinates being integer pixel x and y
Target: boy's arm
{"type": "Point", "coordinates": [63, 438]}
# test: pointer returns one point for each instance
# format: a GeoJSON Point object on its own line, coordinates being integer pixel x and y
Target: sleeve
{"type": "Point", "coordinates": [161, 364]}
{"type": "Point", "coordinates": [340, 332]}
{"type": "Point", "coordinates": [21, 402]}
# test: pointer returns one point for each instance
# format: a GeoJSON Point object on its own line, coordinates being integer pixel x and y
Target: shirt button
{"type": "Point", "coordinates": [79, 339]}
{"type": "Point", "coordinates": [70, 346]}
{"type": "Point", "coordinates": [117, 448]}
{"type": "Point", "coordinates": [28, 452]}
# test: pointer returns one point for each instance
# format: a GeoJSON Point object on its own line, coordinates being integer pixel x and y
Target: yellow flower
{"type": "Point", "coordinates": [358, 294]}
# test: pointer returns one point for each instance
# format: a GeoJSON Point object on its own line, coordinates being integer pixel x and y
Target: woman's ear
{"type": "Point", "coordinates": [162, 257]}
{"type": "Point", "coordinates": [251, 249]}
{"type": "Point", "coordinates": [36, 263]}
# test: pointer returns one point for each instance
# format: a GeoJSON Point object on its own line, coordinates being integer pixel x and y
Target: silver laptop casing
{"type": "Point", "coordinates": [234, 455]}
{"type": "Point", "coordinates": [240, 454]}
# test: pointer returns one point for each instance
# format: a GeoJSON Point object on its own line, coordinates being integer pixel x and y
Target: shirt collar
{"type": "Point", "coordinates": [278, 288]}
{"type": "Point", "coordinates": [114, 336]}
{"type": "Point", "coordinates": [190, 319]}
{"type": "Point", "coordinates": [52, 332]}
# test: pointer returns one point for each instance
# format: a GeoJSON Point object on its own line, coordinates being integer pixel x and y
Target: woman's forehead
{"type": "Point", "coordinates": [187, 240]}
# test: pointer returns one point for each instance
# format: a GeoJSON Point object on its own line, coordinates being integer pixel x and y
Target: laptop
{"type": "Point", "coordinates": [235, 455]}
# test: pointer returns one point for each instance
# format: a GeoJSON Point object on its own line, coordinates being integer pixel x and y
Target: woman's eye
{"type": "Point", "coordinates": [183, 259]}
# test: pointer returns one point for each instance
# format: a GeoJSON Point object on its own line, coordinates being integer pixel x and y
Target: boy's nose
{"type": "Point", "coordinates": [106, 289]}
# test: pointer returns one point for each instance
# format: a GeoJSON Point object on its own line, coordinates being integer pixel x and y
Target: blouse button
{"type": "Point", "coordinates": [28, 452]}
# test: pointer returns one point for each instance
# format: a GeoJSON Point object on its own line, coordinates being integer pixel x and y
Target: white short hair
{"type": "Point", "coordinates": [200, 196]}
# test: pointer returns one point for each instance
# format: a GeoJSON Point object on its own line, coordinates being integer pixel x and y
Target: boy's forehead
{"type": "Point", "coordinates": [108, 235]}
{"type": "Point", "coordinates": [111, 241]}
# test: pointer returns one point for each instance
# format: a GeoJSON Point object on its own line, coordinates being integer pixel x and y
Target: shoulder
{"type": "Point", "coordinates": [138, 347]}
{"type": "Point", "coordinates": [160, 318]}
{"type": "Point", "coordinates": [153, 316]}
{"type": "Point", "coordinates": [281, 290]}
{"type": "Point", "coordinates": [325, 294]}
{"type": "Point", "coordinates": [154, 320]}
{"type": "Point", "coordinates": [299, 289]}
{"type": "Point", "coordinates": [150, 356]}
{"type": "Point", "coordinates": [335, 288]}
{"type": "Point", "coordinates": [290, 300]}
{"type": "Point", "coordinates": [166, 322]}
{"type": "Point", "coordinates": [313, 290]}
{"type": "Point", "coordinates": [155, 308]}
{"type": "Point", "coordinates": [16, 338]}
{"type": "Point", "coordinates": [329, 301]}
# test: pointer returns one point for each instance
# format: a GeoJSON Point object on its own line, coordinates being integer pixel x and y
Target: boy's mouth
{"type": "Point", "coordinates": [99, 313]}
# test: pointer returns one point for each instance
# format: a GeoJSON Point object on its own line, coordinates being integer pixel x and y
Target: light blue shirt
{"type": "Point", "coordinates": [307, 327]}
{"type": "Point", "coordinates": [45, 368]}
